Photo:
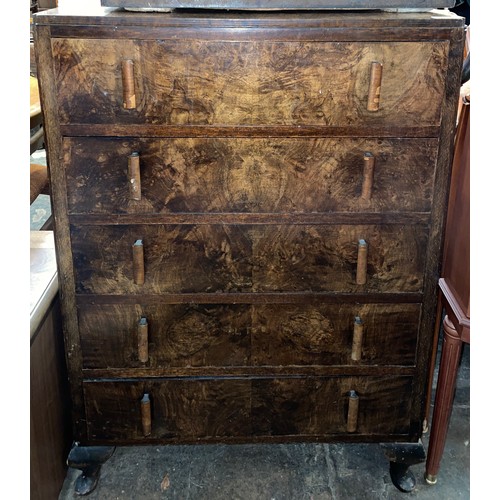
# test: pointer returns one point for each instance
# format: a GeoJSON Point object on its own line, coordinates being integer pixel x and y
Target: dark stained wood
{"type": "Point", "coordinates": [445, 393]}
{"type": "Point", "coordinates": [360, 370]}
{"type": "Point", "coordinates": [347, 25]}
{"type": "Point", "coordinates": [255, 298]}
{"type": "Point", "coordinates": [50, 419]}
{"type": "Point", "coordinates": [231, 258]}
{"type": "Point", "coordinates": [244, 335]}
{"type": "Point", "coordinates": [313, 218]}
{"type": "Point", "coordinates": [217, 83]}
{"type": "Point", "coordinates": [456, 252]}
{"type": "Point", "coordinates": [323, 335]}
{"type": "Point", "coordinates": [179, 335]}
{"type": "Point", "coordinates": [245, 131]}
{"type": "Point", "coordinates": [114, 409]}
{"type": "Point", "coordinates": [252, 129]}
{"type": "Point", "coordinates": [304, 406]}
{"type": "Point", "coordinates": [245, 407]}
{"type": "Point", "coordinates": [442, 184]}
{"type": "Point", "coordinates": [249, 31]}
{"type": "Point", "coordinates": [249, 175]}
{"type": "Point", "coordinates": [53, 144]}
{"type": "Point", "coordinates": [454, 294]}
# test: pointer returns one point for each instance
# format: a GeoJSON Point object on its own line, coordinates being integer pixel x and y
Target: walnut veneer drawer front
{"type": "Point", "coordinates": [249, 175]}
{"type": "Point", "coordinates": [196, 82]}
{"type": "Point", "coordinates": [205, 335]}
{"type": "Point", "coordinates": [198, 409]}
{"type": "Point", "coordinates": [248, 258]}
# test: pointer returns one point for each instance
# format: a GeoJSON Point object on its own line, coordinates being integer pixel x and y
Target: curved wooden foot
{"type": "Point", "coordinates": [88, 459]}
{"type": "Point", "coordinates": [401, 456]}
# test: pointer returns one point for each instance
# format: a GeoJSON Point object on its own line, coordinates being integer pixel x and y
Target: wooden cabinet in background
{"type": "Point", "coordinates": [454, 294]}
{"type": "Point", "coordinates": [249, 211]}
{"type": "Point", "coordinates": [50, 415]}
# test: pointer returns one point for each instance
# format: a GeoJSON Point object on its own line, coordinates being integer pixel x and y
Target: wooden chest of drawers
{"type": "Point", "coordinates": [248, 216]}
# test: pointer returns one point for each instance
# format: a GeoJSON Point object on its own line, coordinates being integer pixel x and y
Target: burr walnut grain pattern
{"type": "Point", "coordinates": [245, 407]}
{"type": "Point", "coordinates": [176, 406]}
{"type": "Point", "coordinates": [204, 335]}
{"type": "Point", "coordinates": [249, 175]}
{"type": "Point", "coordinates": [179, 335]}
{"type": "Point", "coordinates": [197, 82]}
{"type": "Point", "coordinates": [248, 258]}
{"type": "Point", "coordinates": [323, 334]}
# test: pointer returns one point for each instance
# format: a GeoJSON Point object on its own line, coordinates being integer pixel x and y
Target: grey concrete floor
{"type": "Point", "coordinates": [282, 472]}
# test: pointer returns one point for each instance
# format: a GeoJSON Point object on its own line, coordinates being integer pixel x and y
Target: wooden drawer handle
{"type": "Point", "coordinates": [374, 88]}
{"type": "Point", "coordinates": [128, 84]}
{"type": "Point", "coordinates": [134, 177]}
{"type": "Point", "coordinates": [362, 262]}
{"type": "Point", "coordinates": [368, 169]}
{"type": "Point", "coordinates": [138, 262]}
{"type": "Point", "coordinates": [352, 412]}
{"type": "Point", "coordinates": [146, 415]}
{"type": "Point", "coordinates": [142, 340]}
{"type": "Point", "coordinates": [357, 339]}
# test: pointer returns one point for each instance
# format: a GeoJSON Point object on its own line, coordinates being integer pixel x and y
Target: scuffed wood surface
{"type": "Point", "coordinates": [249, 83]}
{"type": "Point", "coordinates": [249, 175]}
{"type": "Point", "coordinates": [243, 258]}
{"type": "Point", "coordinates": [179, 335]}
{"type": "Point", "coordinates": [204, 335]}
{"type": "Point", "coordinates": [323, 334]}
{"type": "Point", "coordinates": [245, 407]}
{"type": "Point", "coordinates": [50, 418]}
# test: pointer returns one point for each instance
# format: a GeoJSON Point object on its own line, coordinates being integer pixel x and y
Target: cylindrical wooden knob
{"type": "Point", "coordinates": [134, 177]}
{"type": "Point", "coordinates": [368, 168]}
{"type": "Point", "coordinates": [357, 339]}
{"type": "Point", "coordinates": [142, 340]}
{"type": "Point", "coordinates": [374, 88]}
{"type": "Point", "coordinates": [362, 262]}
{"type": "Point", "coordinates": [138, 262]}
{"type": "Point", "coordinates": [128, 84]}
{"type": "Point", "coordinates": [352, 412]}
{"type": "Point", "coordinates": [146, 414]}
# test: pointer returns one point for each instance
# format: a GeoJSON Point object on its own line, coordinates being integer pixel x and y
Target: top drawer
{"type": "Point", "coordinates": [251, 83]}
